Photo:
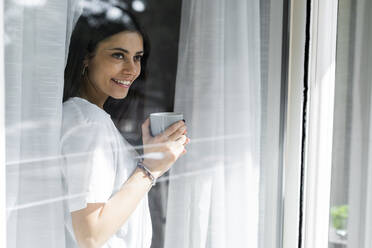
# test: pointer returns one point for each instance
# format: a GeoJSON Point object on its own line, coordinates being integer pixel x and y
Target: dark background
{"type": "Point", "coordinates": [161, 21]}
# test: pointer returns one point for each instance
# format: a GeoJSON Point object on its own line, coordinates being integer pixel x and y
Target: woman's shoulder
{"type": "Point", "coordinates": [80, 112]}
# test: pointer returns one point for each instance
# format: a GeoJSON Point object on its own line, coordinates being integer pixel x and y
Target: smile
{"type": "Point", "coordinates": [122, 83]}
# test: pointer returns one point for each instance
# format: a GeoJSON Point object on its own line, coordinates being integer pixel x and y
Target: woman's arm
{"type": "Point", "coordinates": [96, 223]}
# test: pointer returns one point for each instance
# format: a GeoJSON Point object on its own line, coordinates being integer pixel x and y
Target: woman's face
{"type": "Point", "coordinates": [114, 66]}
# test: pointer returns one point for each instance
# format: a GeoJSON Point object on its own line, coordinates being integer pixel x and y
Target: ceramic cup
{"type": "Point", "coordinates": [161, 121]}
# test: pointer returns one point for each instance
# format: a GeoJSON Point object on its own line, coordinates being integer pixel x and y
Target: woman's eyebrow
{"type": "Point", "coordinates": [124, 50]}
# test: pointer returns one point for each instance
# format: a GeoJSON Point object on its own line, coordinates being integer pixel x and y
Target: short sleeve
{"type": "Point", "coordinates": [89, 166]}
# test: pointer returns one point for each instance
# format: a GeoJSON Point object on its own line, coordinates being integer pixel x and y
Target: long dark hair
{"type": "Point", "coordinates": [95, 24]}
{"type": "Point", "coordinates": [91, 28]}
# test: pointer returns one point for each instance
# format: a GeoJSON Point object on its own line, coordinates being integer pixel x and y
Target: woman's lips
{"type": "Point", "coordinates": [119, 84]}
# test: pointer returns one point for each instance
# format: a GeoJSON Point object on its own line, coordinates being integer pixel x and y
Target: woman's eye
{"type": "Point", "coordinates": [138, 58]}
{"type": "Point", "coordinates": [118, 55]}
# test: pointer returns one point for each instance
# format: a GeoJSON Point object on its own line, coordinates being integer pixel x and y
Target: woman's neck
{"type": "Point", "coordinates": [92, 95]}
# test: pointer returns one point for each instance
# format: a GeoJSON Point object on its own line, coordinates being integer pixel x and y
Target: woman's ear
{"type": "Point", "coordinates": [86, 61]}
{"type": "Point", "coordinates": [85, 65]}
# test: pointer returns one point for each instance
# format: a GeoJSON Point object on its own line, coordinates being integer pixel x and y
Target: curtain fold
{"type": "Point", "coordinates": [35, 46]}
{"type": "Point", "coordinates": [360, 163]}
{"type": "Point", "coordinates": [214, 191]}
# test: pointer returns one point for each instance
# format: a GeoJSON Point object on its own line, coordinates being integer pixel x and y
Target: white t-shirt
{"type": "Point", "coordinates": [97, 161]}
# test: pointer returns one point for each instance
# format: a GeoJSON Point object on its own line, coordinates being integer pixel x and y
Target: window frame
{"type": "Point", "coordinates": [319, 136]}
{"type": "Point", "coordinates": [308, 136]}
{"type": "Point", "coordinates": [2, 133]}
{"type": "Point", "coordinates": [292, 156]}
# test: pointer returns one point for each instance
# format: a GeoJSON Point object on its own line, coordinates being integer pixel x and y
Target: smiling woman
{"type": "Point", "coordinates": [105, 179]}
{"type": "Point", "coordinates": [117, 39]}
{"type": "Point", "coordinates": [116, 63]}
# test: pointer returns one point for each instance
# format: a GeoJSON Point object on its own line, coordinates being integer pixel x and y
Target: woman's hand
{"type": "Point", "coordinates": [170, 145]}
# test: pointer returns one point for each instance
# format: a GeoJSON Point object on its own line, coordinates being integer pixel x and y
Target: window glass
{"type": "Point", "coordinates": [350, 220]}
{"type": "Point", "coordinates": [219, 63]}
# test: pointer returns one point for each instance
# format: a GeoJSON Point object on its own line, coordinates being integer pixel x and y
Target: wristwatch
{"type": "Point", "coordinates": [147, 172]}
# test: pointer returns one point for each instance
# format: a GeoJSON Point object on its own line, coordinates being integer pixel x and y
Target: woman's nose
{"type": "Point", "coordinates": [130, 68]}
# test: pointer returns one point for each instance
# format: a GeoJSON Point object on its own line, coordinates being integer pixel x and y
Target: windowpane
{"type": "Point", "coordinates": [350, 218]}
{"type": "Point", "coordinates": [219, 63]}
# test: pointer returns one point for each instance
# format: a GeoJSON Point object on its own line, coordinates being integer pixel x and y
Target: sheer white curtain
{"type": "Point", "coordinates": [360, 163]}
{"type": "Point", "coordinates": [216, 190]}
{"type": "Point", "coordinates": [35, 48]}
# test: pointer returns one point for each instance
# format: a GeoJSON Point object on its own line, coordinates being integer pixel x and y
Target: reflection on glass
{"type": "Point", "coordinates": [339, 216]}
{"type": "Point", "coordinates": [226, 194]}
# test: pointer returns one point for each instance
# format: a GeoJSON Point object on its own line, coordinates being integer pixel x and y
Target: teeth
{"type": "Point", "coordinates": [122, 82]}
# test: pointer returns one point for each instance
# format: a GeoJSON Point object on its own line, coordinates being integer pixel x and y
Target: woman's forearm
{"type": "Point", "coordinates": [116, 211]}
{"type": "Point", "coordinates": [95, 224]}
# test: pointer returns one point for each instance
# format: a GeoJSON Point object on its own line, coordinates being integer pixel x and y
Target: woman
{"type": "Point", "coordinates": [106, 182]}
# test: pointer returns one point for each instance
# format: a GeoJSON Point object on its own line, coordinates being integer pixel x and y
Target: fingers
{"type": "Point", "coordinates": [183, 152]}
{"type": "Point", "coordinates": [146, 129]}
{"type": "Point", "coordinates": [184, 149]}
{"type": "Point", "coordinates": [180, 143]}
{"type": "Point", "coordinates": [181, 140]}
{"type": "Point", "coordinates": [172, 129]}
{"type": "Point", "coordinates": [178, 133]}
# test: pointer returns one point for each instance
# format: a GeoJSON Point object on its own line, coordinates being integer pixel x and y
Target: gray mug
{"type": "Point", "coordinates": [161, 121]}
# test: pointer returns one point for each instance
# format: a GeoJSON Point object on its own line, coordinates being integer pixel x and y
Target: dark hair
{"type": "Point", "coordinates": [97, 23]}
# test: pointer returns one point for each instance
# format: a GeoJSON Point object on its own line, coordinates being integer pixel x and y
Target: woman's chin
{"type": "Point", "coordinates": [120, 96]}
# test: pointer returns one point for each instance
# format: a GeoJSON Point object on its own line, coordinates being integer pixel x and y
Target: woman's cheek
{"type": "Point", "coordinates": [138, 71]}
